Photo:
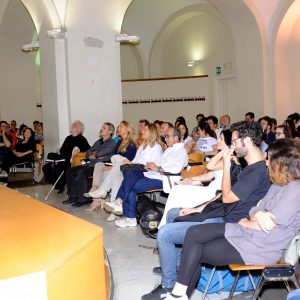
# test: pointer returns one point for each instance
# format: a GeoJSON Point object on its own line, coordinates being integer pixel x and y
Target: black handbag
{"type": "Point", "coordinates": [126, 167]}
{"type": "Point", "coordinates": [214, 209]}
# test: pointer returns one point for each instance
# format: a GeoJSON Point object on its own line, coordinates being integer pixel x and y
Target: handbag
{"type": "Point", "coordinates": [126, 167]}
{"type": "Point", "coordinates": [213, 209]}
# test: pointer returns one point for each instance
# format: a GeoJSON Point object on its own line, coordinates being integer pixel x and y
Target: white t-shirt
{"type": "Point", "coordinates": [188, 138]}
{"type": "Point", "coordinates": [205, 144]}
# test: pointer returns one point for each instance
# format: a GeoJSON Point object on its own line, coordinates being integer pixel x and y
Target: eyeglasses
{"type": "Point", "coordinates": [167, 136]}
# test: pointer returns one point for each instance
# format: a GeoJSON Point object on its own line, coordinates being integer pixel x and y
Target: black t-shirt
{"type": "Point", "coordinates": [24, 147]}
{"type": "Point", "coordinates": [252, 185]}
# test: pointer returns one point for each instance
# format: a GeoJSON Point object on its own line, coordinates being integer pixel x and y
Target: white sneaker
{"type": "Point", "coordinates": [112, 217]}
{"type": "Point", "coordinates": [170, 297]}
{"type": "Point", "coordinates": [114, 207]}
{"type": "Point", "coordinates": [126, 222]}
{"type": "Point", "coordinates": [99, 193]}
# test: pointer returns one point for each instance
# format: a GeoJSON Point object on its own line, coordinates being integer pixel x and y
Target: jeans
{"type": "Point", "coordinates": [293, 295]}
{"type": "Point", "coordinates": [170, 238]}
{"type": "Point", "coordinates": [133, 183]}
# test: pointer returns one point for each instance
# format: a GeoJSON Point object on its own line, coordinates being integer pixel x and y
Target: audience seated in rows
{"type": "Point", "coordinates": [172, 161]}
{"type": "Point", "coordinates": [126, 149]}
{"type": "Point", "coordinates": [149, 151]}
{"type": "Point", "coordinates": [276, 220]}
{"type": "Point", "coordinates": [77, 177]}
{"type": "Point", "coordinates": [251, 186]}
{"type": "Point", "coordinates": [189, 193]}
{"type": "Point", "coordinates": [23, 152]}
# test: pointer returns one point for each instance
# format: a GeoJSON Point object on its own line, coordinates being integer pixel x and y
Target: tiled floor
{"type": "Point", "coordinates": [131, 259]}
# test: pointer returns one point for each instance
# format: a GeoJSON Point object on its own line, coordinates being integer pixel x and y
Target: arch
{"type": "Point", "coordinates": [170, 26]}
{"type": "Point", "coordinates": [286, 57]}
{"type": "Point", "coordinates": [3, 6]}
{"type": "Point", "coordinates": [39, 9]}
{"type": "Point", "coordinates": [132, 58]}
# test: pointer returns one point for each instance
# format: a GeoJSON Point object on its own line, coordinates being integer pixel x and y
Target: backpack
{"type": "Point", "coordinates": [148, 215]}
{"type": "Point", "coordinates": [223, 280]}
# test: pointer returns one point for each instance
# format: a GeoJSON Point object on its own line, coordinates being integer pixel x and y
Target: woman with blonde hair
{"type": "Point", "coordinates": [149, 151]}
{"type": "Point", "coordinates": [126, 150]}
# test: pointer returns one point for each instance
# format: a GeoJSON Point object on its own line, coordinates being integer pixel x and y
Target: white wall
{"type": "Point", "coordinates": [19, 84]}
{"type": "Point", "coordinates": [157, 89]}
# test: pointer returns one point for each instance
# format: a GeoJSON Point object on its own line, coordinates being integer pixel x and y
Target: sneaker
{"type": "Point", "coordinates": [156, 270]}
{"type": "Point", "coordinates": [86, 195]}
{"type": "Point", "coordinates": [112, 217]}
{"type": "Point", "coordinates": [114, 207]}
{"type": "Point", "coordinates": [158, 293]}
{"type": "Point", "coordinates": [126, 222]}
{"type": "Point", "coordinates": [99, 193]}
{"type": "Point", "coordinates": [171, 296]}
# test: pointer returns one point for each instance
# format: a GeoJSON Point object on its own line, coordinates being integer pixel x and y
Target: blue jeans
{"type": "Point", "coordinates": [293, 295]}
{"type": "Point", "coordinates": [170, 238]}
{"type": "Point", "coordinates": [133, 183]}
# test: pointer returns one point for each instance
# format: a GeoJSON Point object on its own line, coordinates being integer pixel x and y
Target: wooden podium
{"type": "Point", "coordinates": [35, 237]}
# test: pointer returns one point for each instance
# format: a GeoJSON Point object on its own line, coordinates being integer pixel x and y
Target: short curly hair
{"type": "Point", "coordinates": [252, 130]}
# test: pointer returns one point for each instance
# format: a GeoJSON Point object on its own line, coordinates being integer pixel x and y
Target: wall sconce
{"type": "Point", "coordinates": [123, 37]}
{"type": "Point", "coordinates": [34, 45]}
{"type": "Point", "coordinates": [56, 34]}
{"type": "Point", "coordinates": [193, 63]}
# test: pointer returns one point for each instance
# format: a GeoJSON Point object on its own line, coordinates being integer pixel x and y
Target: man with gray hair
{"type": "Point", "coordinates": [173, 160]}
{"type": "Point", "coordinates": [101, 151]}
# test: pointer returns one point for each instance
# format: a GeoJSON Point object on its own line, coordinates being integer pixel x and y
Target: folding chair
{"type": "Point", "coordinates": [153, 193]}
{"type": "Point", "coordinates": [282, 271]}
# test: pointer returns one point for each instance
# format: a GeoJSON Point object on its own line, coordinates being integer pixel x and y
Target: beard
{"type": "Point", "coordinates": [241, 152]}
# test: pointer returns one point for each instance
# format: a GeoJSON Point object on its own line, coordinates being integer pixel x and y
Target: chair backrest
{"type": "Point", "coordinates": [291, 254]}
{"type": "Point", "coordinates": [77, 158]}
{"type": "Point", "coordinates": [196, 157]}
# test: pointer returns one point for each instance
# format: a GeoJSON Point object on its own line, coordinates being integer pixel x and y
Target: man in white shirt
{"type": "Point", "coordinates": [173, 160]}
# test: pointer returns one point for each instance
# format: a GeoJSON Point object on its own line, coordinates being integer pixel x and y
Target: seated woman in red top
{"type": "Point", "coordinates": [23, 152]}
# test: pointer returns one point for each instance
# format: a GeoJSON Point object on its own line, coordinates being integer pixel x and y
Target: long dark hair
{"type": "Point", "coordinates": [227, 136]}
{"type": "Point", "coordinates": [186, 130]}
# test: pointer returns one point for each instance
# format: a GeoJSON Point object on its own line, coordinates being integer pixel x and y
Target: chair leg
{"type": "Point", "coordinates": [209, 282]}
{"type": "Point", "coordinates": [295, 281]}
{"type": "Point", "coordinates": [258, 288]}
{"type": "Point", "coordinates": [234, 285]}
{"type": "Point", "coordinates": [287, 285]}
{"type": "Point", "coordinates": [251, 280]}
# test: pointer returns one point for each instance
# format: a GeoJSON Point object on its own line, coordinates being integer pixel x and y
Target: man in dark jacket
{"type": "Point", "coordinates": [77, 177]}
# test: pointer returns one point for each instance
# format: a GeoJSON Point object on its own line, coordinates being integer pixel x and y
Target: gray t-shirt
{"type": "Point", "coordinates": [258, 247]}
